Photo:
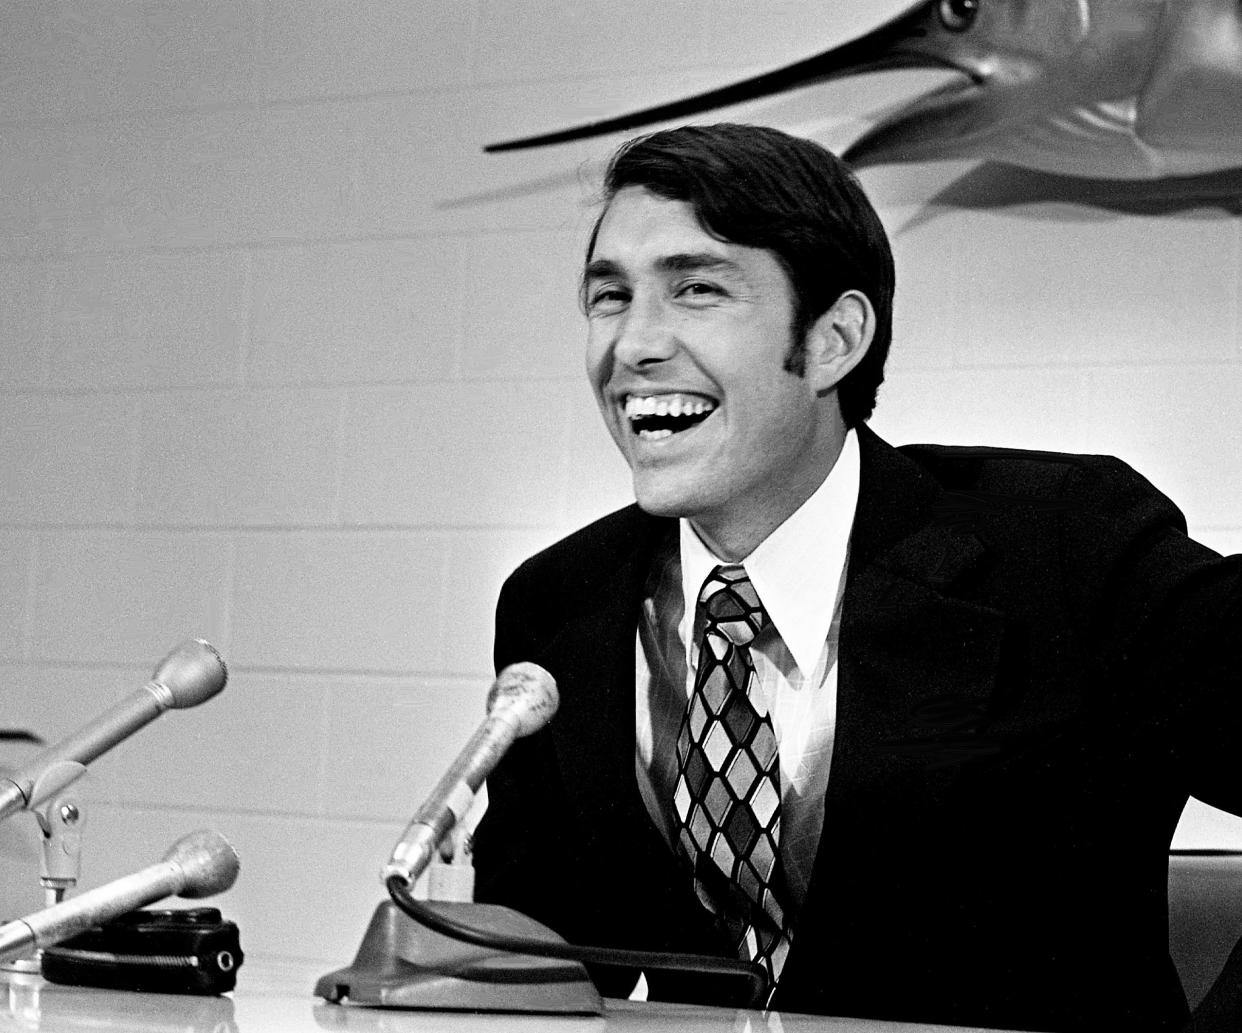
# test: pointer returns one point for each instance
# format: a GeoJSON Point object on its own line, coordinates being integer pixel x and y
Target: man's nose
{"type": "Point", "coordinates": [645, 335]}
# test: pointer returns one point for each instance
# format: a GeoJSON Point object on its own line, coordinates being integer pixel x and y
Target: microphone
{"type": "Point", "coordinates": [197, 865]}
{"type": "Point", "coordinates": [191, 674]}
{"type": "Point", "coordinates": [522, 700]}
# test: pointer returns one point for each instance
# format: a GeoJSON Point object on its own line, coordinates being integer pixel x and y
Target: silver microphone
{"type": "Point", "coordinates": [198, 865]}
{"type": "Point", "coordinates": [522, 700]}
{"type": "Point", "coordinates": [191, 674]}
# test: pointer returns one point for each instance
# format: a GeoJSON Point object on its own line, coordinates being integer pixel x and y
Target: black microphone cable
{"type": "Point", "coordinates": [702, 964]}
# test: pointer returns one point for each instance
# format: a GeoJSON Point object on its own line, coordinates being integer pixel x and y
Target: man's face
{"type": "Point", "coordinates": [687, 337]}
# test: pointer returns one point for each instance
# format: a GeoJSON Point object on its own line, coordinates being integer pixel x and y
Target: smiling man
{"type": "Point", "coordinates": [687, 350]}
{"type": "Point", "coordinates": [910, 728]}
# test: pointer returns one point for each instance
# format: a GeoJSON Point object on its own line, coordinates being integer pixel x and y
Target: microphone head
{"type": "Point", "coordinates": [192, 673]}
{"type": "Point", "coordinates": [525, 692]}
{"type": "Point", "coordinates": [208, 863]}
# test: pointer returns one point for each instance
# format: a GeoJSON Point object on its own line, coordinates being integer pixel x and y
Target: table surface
{"type": "Point", "coordinates": [277, 997]}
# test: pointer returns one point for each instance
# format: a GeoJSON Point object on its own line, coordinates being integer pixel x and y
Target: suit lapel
{"type": "Point", "coordinates": [910, 637]}
{"type": "Point", "coordinates": [917, 661]}
{"type": "Point", "coordinates": [594, 731]}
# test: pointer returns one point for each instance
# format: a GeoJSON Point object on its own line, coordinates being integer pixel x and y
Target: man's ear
{"type": "Point", "coordinates": [837, 341]}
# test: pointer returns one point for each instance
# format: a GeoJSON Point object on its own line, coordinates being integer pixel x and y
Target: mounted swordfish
{"type": "Point", "coordinates": [1109, 89]}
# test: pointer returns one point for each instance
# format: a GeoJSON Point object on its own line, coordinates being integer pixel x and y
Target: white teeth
{"type": "Point", "coordinates": [672, 404]}
{"type": "Point", "coordinates": [655, 435]}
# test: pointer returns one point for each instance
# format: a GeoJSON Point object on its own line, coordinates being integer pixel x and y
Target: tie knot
{"type": "Point", "coordinates": [731, 605]}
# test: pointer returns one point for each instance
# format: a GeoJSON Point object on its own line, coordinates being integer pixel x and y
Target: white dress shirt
{"type": "Point", "coordinates": [799, 574]}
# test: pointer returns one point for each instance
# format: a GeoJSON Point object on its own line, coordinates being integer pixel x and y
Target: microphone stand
{"type": "Point", "coordinates": [60, 816]}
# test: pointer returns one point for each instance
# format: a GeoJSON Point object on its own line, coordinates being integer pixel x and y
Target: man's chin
{"type": "Point", "coordinates": [658, 511]}
{"type": "Point", "coordinates": [665, 503]}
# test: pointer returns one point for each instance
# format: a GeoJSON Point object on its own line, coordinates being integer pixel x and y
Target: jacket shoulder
{"type": "Point", "coordinates": [558, 583]}
{"type": "Point", "coordinates": [580, 555]}
{"type": "Point", "coordinates": [1062, 481]}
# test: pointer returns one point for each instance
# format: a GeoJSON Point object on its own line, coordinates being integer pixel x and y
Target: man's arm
{"type": "Point", "coordinates": [1169, 612]}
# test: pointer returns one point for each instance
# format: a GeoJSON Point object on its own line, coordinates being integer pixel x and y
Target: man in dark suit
{"type": "Point", "coordinates": [981, 683]}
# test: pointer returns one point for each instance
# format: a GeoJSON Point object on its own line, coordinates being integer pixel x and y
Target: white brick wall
{"type": "Point", "coordinates": [288, 363]}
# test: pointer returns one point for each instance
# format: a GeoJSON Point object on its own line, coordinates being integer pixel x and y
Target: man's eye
{"type": "Point", "coordinates": [700, 289]}
{"type": "Point", "coordinates": [606, 299]}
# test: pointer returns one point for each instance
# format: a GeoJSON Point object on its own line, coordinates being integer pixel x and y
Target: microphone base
{"type": "Point", "coordinates": [402, 964]}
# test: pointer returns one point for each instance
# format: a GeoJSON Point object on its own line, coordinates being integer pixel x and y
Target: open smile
{"type": "Point", "coordinates": [657, 416]}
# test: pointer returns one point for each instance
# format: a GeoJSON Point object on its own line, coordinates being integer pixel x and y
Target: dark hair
{"type": "Point", "coordinates": [763, 188]}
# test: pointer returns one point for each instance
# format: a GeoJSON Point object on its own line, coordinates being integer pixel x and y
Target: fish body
{"type": "Point", "coordinates": [1107, 89]}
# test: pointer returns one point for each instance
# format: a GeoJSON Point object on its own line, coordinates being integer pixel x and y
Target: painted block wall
{"type": "Point", "coordinates": [288, 363]}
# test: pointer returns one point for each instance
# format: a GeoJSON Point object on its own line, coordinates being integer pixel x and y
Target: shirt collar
{"type": "Point", "coordinates": [797, 570]}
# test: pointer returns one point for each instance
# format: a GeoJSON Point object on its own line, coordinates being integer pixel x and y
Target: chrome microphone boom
{"type": "Point", "coordinates": [191, 674]}
{"type": "Point", "coordinates": [522, 700]}
{"type": "Point", "coordinates": [198, 865]}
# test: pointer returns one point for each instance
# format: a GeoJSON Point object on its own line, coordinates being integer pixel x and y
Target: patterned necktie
{"type": "Point", "coordinates": [728, 795]}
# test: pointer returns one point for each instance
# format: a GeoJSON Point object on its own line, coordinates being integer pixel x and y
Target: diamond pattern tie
{"type": "Point", "coordinates": [728, 799]}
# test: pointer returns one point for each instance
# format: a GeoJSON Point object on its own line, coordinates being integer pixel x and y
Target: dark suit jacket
{"type": "Point", "coordinates": [1036, 667]}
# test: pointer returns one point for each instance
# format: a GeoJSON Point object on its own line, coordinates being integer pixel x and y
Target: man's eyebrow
{"type": "Point", "coordinates": [695, 261]}
{"type": "Point", "coordinates": [679, 262]}
{"type": "Point", "coordinates": [600, 268]}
